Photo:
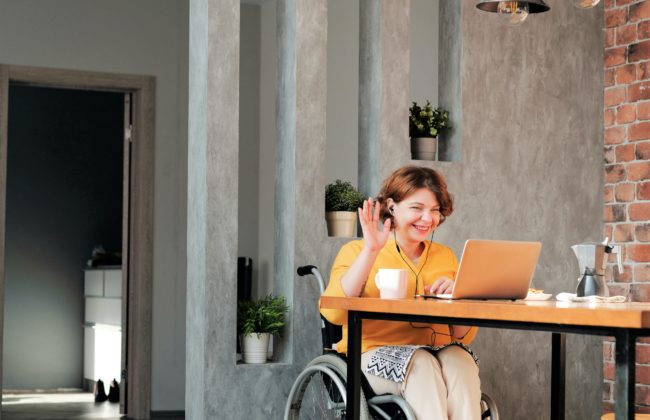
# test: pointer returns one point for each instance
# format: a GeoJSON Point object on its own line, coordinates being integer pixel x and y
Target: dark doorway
{"type": "Point", "coordinates": [63, 199]}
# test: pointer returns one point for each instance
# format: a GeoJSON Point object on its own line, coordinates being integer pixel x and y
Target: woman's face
{"type": "Point", "coordinates": [416, 216]}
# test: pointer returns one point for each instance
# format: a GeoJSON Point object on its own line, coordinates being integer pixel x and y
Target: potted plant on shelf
{"type": "Point", "coordinates": [257, 320]}
{"type": "Point", "coordinates": [341, 203]}
{"type": "Point", "coordinates": [425, 123]}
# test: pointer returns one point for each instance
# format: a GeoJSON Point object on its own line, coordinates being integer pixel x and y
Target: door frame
{"type": "Point", "coordinates": [140, 252]}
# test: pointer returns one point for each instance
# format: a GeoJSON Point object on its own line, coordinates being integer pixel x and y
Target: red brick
{"type": "Point", "coordinates": [638, 11]}
{"type": "Point", "coordinates": [638, 51]}
{"type": "Point", "coordinates": [621, 277]}
{"type": "Point", "coordinates": [609, 117]}
{"type": "Point", "coordinates": [614, 135]}
{"type": "Point", "coordinates": [609, 4]}
{"type": "Point", "coordinates": [615, 96]}
{"type": "Point", "coordinates": [608, 194]}
{"type": "Point", "coordinates": [609, 155]}
{"type": "Point", "coordinates": [642, 150]}
{"type": "Point", "coordinates": [643, 30]}
{"type": "Point", "coordinates": [614, 213]}
{"type": "Point", "coordinates": [643, 353]}
{"type": "Point", "coordinates": [643, 191]}
{"type": "Point", "coordinates": [608, 351]}
{"type": "Point", "coordinates": [642, 232]}
{"type": "Point", "coordinates": [614, 18]}
{"type": "Point", "coordinates": [609, 76]}
{"type": "Point", "coordinates": [642, 374]}
{"type": "Point", "coordinates": [638, 171]}
{"type": "Point", "coordinates": [624, 232]}
{"type": "Point", "coordinates": [639, 212]}
{"type": "Point", "coordinates": [614, 173]}
{"type": "Point", "coordinates": [623, 2]}
{"type": "Point", "coordinates": [624, 153]}
{"type": "Point", "coordinates": [639, 131]}
{"type": "Point", "coordinates": [643, 111]}
{"type": "Point", "coordinates": [637, 92]}
{"type": "Point", "coordinates": [639, 253]}
{"type": "Point", "coordinates": [624, 192]}
{"type": "Point", "coordinates": [608, 370]}
{"type": "Point", "coordinates": [641, 396]}
{"type": "Point", "coordinates": [619, 289]}
{"type": "Point", "coordinates": [625, 34]}
{"type": "Point", "coordinates": [607, 230]}
{"type": "Point", "coordinates": [638, 292]}
{"type": "Point", "coordinates": [643, 70]}
{"type": "Point", "coordinates": [626, 114]}
{"type": "Point", "coordinates": [641, 272]}
{"type": "Point", "coordinates": [615, 56]}
{"type": "Point", "coordinates": [610, 37]}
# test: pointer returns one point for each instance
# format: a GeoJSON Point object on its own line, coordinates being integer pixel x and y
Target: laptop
{"type": "Point", "coordinates": [491, 269]}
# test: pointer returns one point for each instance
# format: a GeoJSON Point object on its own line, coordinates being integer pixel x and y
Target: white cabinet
{"type": "Point", "coordinates": [102, 324]}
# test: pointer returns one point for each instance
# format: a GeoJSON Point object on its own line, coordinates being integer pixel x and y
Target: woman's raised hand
{"type": "Point", "coordinates": [374, 239]}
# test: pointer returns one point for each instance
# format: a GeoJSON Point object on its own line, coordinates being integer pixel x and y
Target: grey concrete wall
{"type": "Point", "coordinates": [249, 133]}
{"type": "Point", "coordinates": [64, 196]}
{"type": "Point", "coordinates": [531, 169]}
{"type": "Point", "coordinates": [147, 37]}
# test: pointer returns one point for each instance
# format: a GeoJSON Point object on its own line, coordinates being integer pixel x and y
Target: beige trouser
{"type": "Point", "coordinates": [445, 386]}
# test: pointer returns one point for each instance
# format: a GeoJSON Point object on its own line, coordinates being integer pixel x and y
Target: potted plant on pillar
{"type": "Point", "coordinates": [257, 320]}
{"type": "Point", "coordinates": [341, 203]}
{"type": "Point", "coordinates": [425, 123]}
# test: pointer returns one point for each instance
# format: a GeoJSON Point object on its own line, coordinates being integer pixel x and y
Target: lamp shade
{"type": "Point", "coordinates": [534, 6]}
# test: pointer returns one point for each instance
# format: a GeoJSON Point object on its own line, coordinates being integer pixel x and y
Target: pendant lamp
{"type": "Point", "coordinates": [515, 12]}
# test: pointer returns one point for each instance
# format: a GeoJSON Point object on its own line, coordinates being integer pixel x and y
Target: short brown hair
{"type": "Point", "coordinates": [408, 179]}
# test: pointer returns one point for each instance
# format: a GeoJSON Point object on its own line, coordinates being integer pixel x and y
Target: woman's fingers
{"type": "Point", "coordinates": [442, 285]}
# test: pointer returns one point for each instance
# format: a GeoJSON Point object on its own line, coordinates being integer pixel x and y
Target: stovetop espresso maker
{"type": "Point", "coordinates": [592, 259]}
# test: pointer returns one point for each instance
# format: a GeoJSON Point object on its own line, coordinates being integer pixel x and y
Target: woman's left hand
{"type": "Point", "coordinates": [442, 285]}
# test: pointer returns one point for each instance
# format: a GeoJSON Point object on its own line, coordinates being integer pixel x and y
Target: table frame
{"type": "Point", "coordinates": [625, 355]}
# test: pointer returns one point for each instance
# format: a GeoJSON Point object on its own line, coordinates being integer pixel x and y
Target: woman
{"type": "Point", "coordinates": [430, 366]}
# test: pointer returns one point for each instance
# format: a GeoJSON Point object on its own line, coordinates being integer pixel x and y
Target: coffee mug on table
{"type": "Point", "coordinates": [392, 283]}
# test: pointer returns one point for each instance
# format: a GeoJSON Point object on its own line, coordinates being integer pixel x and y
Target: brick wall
{"type": "Point", "coordinates": [627, 170]}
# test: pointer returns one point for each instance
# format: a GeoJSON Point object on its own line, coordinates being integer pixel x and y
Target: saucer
{"type": "Point", "coordinates": [538, 296]}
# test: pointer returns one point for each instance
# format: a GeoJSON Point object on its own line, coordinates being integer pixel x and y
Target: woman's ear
{"type": "Point", "coordinates": [389, 203]}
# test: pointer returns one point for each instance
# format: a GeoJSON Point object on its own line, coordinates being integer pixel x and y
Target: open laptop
{"type": "Point", "coordinates": [494, 270]}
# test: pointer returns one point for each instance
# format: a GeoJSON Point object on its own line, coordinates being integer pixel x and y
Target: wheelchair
{"type": "Point", "coordinates": [319, 393]}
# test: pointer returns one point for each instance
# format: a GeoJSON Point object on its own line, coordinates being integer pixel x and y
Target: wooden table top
{"type": "Point", "coordinates": [617, 315]}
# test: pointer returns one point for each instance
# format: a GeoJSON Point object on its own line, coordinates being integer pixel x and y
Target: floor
{"type": "Point", "coordinates": [59, 406]}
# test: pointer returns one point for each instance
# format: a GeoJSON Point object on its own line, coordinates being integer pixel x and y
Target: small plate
{"type": "Point", "coordinates": [538, 296]}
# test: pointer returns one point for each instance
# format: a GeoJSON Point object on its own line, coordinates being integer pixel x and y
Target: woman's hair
{"type": "Point", "coordinates": [408, 179]}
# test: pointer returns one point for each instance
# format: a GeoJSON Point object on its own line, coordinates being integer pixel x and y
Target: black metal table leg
{"type": "Point", "coordinates": [354, 365]}
{"type": "Point", "coordinates": [625, 370]}
{"type": "Point", "coordinates": [558, 375]}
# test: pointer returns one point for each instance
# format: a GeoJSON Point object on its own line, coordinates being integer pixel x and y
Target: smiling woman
{"type": "Point", "coordinates": [430, 363]}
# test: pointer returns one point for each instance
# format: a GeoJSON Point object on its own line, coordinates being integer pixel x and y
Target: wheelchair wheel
{"type": "Point", "coordinates": [319, 392]}
{"type": "Point", "coordinates": [488, 408]}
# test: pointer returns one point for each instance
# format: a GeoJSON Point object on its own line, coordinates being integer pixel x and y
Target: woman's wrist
{"type": "Point", "coordinates": [462, 331]}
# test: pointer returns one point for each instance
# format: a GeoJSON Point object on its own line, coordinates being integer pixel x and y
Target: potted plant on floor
{"type": "Point", "coordinates": [341, 203]}
{"type": "Point", "coordinates": [257, 320]}
{"type": "Point", "coordinates": [425, 123]}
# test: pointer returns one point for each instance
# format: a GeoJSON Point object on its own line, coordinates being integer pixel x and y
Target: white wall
{"type": "Point", "coordinates": [147, 37]}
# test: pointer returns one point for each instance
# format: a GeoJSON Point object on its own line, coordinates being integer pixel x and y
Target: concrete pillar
{"type": "Point", "coordinates": [218, 387]}
{"type": "Point", "coordinates": [384, 72]}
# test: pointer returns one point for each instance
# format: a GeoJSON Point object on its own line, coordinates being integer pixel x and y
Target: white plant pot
{"type": "Point", "coordinates": [424, 148]}
{"type": "Point", "coordinates": [255, 347]}
{"type": "Point", "coordinates": [341, 223]}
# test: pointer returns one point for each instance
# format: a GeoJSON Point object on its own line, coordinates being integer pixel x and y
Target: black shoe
{"type": "Point", "coordinates": [114, 392]}
{"type": "Point", "coordinates": [100, 393]}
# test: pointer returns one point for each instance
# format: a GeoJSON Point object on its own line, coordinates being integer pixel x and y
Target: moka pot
{"type": "Point", "coordinates": [592, 260]}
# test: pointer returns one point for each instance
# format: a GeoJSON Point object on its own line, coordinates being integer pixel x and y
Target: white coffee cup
{"type": "Point", "coordinates": [392, 283]}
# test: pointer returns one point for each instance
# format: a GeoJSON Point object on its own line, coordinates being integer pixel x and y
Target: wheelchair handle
{"type": "Point", "coordinates": [312, 269]}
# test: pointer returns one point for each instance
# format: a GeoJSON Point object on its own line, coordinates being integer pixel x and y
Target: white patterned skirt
{"type": "Point", "coordinates": [391, 362]}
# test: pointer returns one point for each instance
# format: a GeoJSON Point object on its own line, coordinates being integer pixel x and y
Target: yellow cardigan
{"type": "Point", "coordinates": [441, 261]}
